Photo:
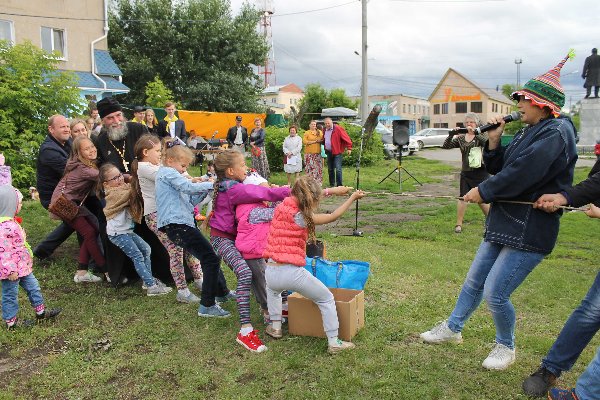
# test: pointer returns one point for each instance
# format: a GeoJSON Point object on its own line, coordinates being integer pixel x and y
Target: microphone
{"type": "Point", "coordinates": [513, 116]}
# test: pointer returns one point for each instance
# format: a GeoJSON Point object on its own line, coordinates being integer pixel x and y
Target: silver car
{"type": "Point", "coordinates": [429, 137]}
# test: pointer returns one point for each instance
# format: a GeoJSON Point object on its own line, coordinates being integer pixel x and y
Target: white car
{"type": "Point", "coordinates": [429, 137]}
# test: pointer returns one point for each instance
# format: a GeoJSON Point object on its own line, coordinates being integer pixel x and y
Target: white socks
{"type": "Point", "coordinates": [332, 341]}
{"type": "Point", "coordinates": [276, 324]}
{"type": "Point", "coordinates": [245, 331]}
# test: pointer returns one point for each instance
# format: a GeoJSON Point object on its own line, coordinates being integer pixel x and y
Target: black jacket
{"type": "Point", "coordinates": [232, 133]}
{"type": "Point", "coordinates": [180, 131]}
{"type": "Point", "coordinates": [586, 191]}
{"type": "Point", "coordinates": [51, 162]}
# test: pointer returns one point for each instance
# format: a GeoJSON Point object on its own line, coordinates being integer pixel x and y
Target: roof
{"type": "Point", "coordinates": [338, 112]}
{"type": "Point", "coordinates": [89, 81]}
{"type": "Point", "coordinates": [289, 88]}
{"type": "Point", "coordinates": [492, 94]}
{"type": "Point", "coordinates": [105, 65]}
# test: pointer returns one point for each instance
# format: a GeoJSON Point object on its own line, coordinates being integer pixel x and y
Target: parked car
{"type": "Point", "coordinates": [390, 150]}
{"type": "Point", "coordinates": [429, 137]}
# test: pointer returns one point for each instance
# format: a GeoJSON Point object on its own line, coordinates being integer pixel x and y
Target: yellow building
{"type": "Point", "coordinates": [77, 30]}
{"type": "Point", "coordinates": [455, 95]}
{"type": "Point", "coordinates": [281, 98]}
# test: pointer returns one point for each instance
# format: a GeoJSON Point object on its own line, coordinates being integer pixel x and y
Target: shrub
{"type": "Point", "coordinates": [372, 150]}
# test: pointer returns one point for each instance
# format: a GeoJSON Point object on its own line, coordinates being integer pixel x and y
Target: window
{"type": "Point", "coordinates": [7, 31]}
{"type": "Point", "coordinates": [445, 108]}
{"type": "Point", "coordinates": [440, 125]}
{"type": "Point", "coordinates": [476, 106]}
{"type": "Point", "coordinates": [273, 99]}
{"type": "Point", "coordinates": [54, 40]}
{"type": "Point", "coordinates": [494, 107]}
{"type": "Point", "coordinates": [436, 108]}
{"type": "Point", "coordinates": [461, 108]}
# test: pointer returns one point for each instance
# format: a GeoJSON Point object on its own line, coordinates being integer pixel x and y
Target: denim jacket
{"type": "Point", "coordinates": [176, 197]}
{"type": "Point", "coordinates": [539, 160]}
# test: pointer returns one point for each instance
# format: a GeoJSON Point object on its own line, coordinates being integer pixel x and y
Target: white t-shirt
{"type": "Point", "coordinates": [147, 177]}
{"type": "Point", "coordinates": [122, 223]}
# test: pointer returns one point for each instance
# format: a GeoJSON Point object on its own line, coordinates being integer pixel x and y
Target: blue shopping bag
{"type": "Point", "coordinates": [344, 274]}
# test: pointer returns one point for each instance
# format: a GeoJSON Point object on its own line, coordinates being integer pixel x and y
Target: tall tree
{"type": "Point", "coordinates": [316, 98]}
{"type": "Point", "coordinates": [202, 53]}
{"type": "Point", "coordinates": [157, 94]}
{"type": "Point", "coordinates": [31, 90]}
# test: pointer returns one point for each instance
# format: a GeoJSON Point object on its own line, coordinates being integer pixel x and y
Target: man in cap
{"type": "Point", "coordinates": [138, 115]}
{"type": "Point", "coordinates": [237, 136]}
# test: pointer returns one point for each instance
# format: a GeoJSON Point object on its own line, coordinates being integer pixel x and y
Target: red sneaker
{"type": "Point", "coordinates": [251, 342]}
{"type": "Point", "coordinates": [284, 313]}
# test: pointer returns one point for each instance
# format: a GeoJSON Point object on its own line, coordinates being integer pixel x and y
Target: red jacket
{"type": "Point", "coordinates": [340, 140]}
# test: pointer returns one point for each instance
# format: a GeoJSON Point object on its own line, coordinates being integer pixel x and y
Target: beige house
{"type": "Point", "coordinates": [76, 30]}
{"type": "Point", "coordinates": [281, 98]}
{"type": "Point", "coordinates": [456, 95]}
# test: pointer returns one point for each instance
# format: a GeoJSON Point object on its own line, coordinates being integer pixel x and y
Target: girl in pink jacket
{"type": "Point", "coordinates": [16, 262]}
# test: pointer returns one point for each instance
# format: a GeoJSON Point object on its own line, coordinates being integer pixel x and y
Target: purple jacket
{"type": "Point", "coordinates": [231, 194]}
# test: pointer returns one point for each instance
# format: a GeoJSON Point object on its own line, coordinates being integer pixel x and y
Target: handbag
{"type": "Point", "coordinates": [343, 274]}
{"type": "Point", "coordinates": [64, 208]}
{"type": "Point", "coordinates": [255, 150]}
{"type": "Point", "coordinates": [316, 249]}
{"type": "Point", "coordinates": [475, 157]}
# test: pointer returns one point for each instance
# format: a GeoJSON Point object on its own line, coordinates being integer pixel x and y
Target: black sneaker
{"type": "Point", "coordinates": [48, 314]}
{"type": "Point", "coordinates": [538, 383]}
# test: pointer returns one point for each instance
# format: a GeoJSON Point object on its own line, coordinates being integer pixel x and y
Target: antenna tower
{"type": "Point", "coordinates": [267, 70]}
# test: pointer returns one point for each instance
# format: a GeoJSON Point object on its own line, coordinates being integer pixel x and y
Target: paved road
{"type": "Point", "coordinates": [452, 157]}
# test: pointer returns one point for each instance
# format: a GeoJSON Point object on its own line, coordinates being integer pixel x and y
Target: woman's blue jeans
{"type": "Point", "coordinates": [495, 273]}
{"type": "Point", "coordinates": [138, 250]}
{"type": "Point", "coordinates": [588, 384]}
{"type": "Point", "coordinates": [10, 294]}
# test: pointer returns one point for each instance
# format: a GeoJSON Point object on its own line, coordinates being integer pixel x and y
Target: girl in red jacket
{"type": "Point", "coordinates": [293, 223]}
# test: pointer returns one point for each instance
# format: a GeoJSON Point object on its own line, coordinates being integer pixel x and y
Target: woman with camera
{"type": "Point", "coordinates": [473, 170]}
{"type": "Point", "coordinates": [540, 159]}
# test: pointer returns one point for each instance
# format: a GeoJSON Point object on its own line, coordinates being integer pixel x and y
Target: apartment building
{"type": "Point", "coordinates": [281, 98]}
{"type": "Point", "coordinates": [76, 30]}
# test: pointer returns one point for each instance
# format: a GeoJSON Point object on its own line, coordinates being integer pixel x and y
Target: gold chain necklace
{"type": "Point", "coordinates": [122, 154]}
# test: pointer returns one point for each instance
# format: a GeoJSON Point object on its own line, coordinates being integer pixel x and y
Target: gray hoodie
{"type": "Point", "coordinates": [8, 201]}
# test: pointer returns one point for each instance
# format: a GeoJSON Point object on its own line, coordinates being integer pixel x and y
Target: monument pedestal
{"type": "Point", "coordinates": [589, 114]}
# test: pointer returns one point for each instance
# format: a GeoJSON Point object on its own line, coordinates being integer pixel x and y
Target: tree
{"type": "Point", "coordinates": [203, 54]}
{"type": "Point", "coordinates": [510, 129]}
{"type": "Point", "coordinates": [157, 94]}
{"type": "Point", "coordinates": [31, 90]}
{"type": "Point", "coordinates": [316, 98]}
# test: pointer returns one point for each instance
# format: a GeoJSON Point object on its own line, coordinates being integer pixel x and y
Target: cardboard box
{"type": "Point", "coordinates": [304, 316]}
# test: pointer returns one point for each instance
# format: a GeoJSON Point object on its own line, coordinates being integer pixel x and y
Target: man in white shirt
{"type": "Point", "coordinates": [237, 136]}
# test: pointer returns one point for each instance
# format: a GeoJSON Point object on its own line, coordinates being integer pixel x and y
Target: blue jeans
{"type": "Point", "coordinates": [10, 294]}
{"type": "Point", "coordinates": [139, 251]}
{"type": "Point", "coordinates": [577, 333]}
{"type": "Point", "coordinates": [191, 240]}
{"type": "Point", "coordinates": [334, 167]}
{"type": "Point", "coordinates": [588, 384]}
{"type": "Point", "coordinates": [495, 273]}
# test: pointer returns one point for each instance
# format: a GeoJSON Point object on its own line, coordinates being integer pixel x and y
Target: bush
{"type": "Point", "coordinates": [372, 151]}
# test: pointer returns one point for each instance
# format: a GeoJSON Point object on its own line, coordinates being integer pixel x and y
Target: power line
{"type": "Point", "coordinates": [314, 10]}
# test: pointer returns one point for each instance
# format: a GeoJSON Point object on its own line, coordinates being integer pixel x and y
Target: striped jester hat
{"type": "Point", "coordinates": [546, 90]}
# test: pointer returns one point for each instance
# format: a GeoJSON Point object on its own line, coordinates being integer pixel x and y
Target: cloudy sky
{"type": "Point", "coordinates": [413, 42]}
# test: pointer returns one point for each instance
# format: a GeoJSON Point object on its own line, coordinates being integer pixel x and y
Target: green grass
{"type": "Point", "coordinates": [162, 350]}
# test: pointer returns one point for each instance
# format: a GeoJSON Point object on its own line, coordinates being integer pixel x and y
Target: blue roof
{"type": "Point", "coordinates": [87, 80]}
{"type": "Point", "coordinates": [105, 65]}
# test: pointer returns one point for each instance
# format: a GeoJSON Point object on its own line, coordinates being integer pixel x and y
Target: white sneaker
{"type": "Point", "coordinates": [87, 277]}
{"type": "Point", "coordinates": [440, 334]}
{"type": "Point", "coordinates": [339, 347]}
{"type": "Point", "coordinates": [158, 282]}
{"type": "Point", "coordinates": [198, 283]}
{"type": "Point", "coordinates": [501, 357]}
{"type": "Point", "coordinates": [158, 290]}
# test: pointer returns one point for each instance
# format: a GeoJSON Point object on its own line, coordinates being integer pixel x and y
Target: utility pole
{"type": "Point", "coordinates": [364, 102]}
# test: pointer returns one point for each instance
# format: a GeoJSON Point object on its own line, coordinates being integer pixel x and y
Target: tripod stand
{"type": "Point", "coordinates": [356, 232]}
{"type": "Point", "coordinates": [399, 168]}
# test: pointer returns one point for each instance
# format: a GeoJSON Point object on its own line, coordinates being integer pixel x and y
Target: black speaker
{"type": "Point", "coordinates": [401, 132]}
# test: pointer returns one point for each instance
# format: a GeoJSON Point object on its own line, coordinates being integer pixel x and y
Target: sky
{"type": "Point", "coordinates": [412, 43]}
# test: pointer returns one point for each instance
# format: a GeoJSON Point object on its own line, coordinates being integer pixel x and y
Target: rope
{"type": "Point", "coordinates": [431, 196]}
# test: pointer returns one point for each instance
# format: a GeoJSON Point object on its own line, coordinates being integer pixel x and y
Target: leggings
{"type": "Point", "coordinates": [176, 255]}
{"type": "Point", "coordinates": [89, 247]}
{"type": "Point", "coordinates": [229, 253]}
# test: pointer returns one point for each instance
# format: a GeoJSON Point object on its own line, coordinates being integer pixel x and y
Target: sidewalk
{"type": "Point", "coordinates": [452, 157]}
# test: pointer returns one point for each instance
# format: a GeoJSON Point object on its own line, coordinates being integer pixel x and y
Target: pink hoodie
{"type": "Point", "coordinates": [251, 239]}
